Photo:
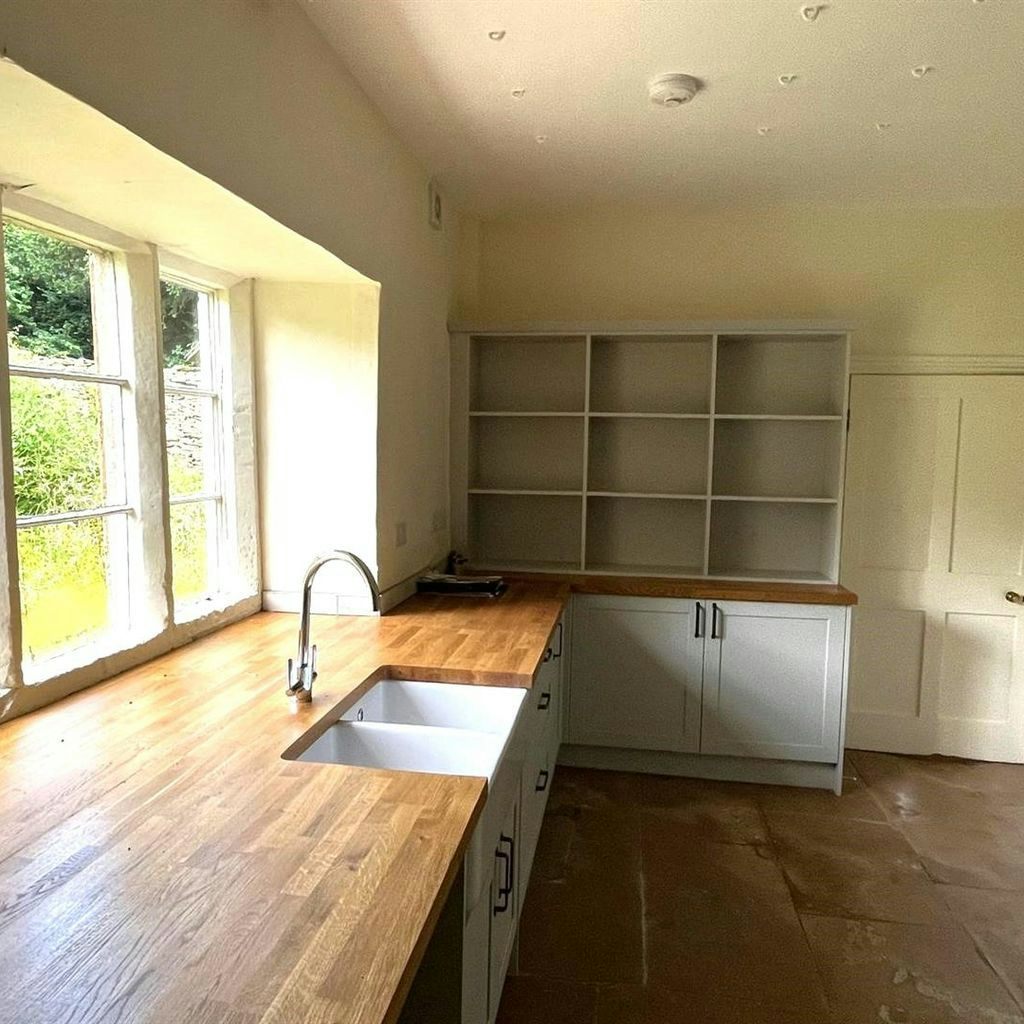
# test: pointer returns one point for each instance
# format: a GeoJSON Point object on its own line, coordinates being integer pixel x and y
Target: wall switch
{"type": "Point", "coordinates": [440, 520]}
{"type": "Point", "coordinates": [400, 535]}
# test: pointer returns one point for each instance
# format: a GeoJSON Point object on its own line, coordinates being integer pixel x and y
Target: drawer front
{"type": "Point", "coordinates": [537, 778]}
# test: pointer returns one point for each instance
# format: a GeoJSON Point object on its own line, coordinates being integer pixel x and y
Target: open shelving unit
{"type": "Point", "coordinates": [694, 453]}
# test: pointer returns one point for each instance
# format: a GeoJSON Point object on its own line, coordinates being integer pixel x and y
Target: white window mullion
{"type": "Point", "coordinates": [149, 546]}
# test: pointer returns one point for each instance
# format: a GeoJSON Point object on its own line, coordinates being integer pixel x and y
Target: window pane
{"type": "Point", "coordinates": [187, 329]}
{"type": "Point", "coordinates": [66, 583]}
{"type": "Point", "coordinates": [49, 302]}
{"type": "Point", "coordinates": [66, 444]}
{"type": "Point", "coordinates": [193, 536]}
{"type": "Point", "coordinates": [191, 467]}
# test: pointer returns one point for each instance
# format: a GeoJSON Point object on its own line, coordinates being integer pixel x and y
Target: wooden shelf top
{"type": "Point", "coordinates": [697, 587]}
{"type": "Point", "coordinates": [153, 820]}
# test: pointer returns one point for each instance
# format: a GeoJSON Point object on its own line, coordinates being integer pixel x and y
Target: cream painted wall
{"type": "Point", "coordinates": [248, 93]}
{"type": "Point", "coordinates": [910, 282]}
{"type": "Point", "coordinates": [316, 408]}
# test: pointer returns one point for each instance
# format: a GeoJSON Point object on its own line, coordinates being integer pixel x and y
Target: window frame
{"type": "Point", "coordinates": [130, 304]}
{"type": "Point", "coordinates": [221, 537]}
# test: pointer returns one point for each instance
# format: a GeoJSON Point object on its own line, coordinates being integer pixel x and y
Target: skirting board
{"type": "Point", "coordinates": [703, 766]}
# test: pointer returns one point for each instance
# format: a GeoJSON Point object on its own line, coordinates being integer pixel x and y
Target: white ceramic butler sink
{"type": "Point", "coordinates": [440, 728]}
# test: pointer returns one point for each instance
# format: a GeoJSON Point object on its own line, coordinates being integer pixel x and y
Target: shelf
{"type": "Point", "coordinates": [786, 459]}
{"type": "Point", "coordinates": [649, 415]}
{"type": "Point", "coordinates": [648, 532]}
{"type": "Point", "coordinates": [538, 414]}
{"type": "Point", "coordinates": [775, 498]}
{"type": "Point", "coordinates": [519, 566]}
{"type": "Point", "coordinates": [619, 569]}
{"type": "Point", "coordinates": [526, 374]}
{"type": "Point", "coordinates": [773, 540]}
{"type": "Point", "coordinates": [526, 453]}
{"type": "Point", "coordinates": [650, 373]}
{"type": "Point", "coordinates": [658, 456]}
{"type": "Point", "coordinates": [646, 494]}
{"type": "Point", "coordinates": [525, 529]}
{"type": "Point", "coordinates": [788, 375]}
{"type": "Point", "coordinates": [759, 574]}
{"type": "Point", "coordinates": [510, 490]}
{"type": "Point", "coordinates": [777, 416]}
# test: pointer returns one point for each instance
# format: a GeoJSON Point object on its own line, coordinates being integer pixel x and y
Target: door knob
{"type": "Point", "coordinates": [1014, 598]}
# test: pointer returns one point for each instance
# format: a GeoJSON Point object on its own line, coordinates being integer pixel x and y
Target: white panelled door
{"type": "Point", "coordinates": [934, 546]}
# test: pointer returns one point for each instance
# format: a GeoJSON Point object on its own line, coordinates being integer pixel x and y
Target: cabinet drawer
{"type": "Point", "coordinates": [479, 857]}
{"type": "Point", "coordinates": [537, 778]}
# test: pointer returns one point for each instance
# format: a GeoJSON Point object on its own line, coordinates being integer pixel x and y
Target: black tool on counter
{"type": "Point", "coordinates": [461, 586]}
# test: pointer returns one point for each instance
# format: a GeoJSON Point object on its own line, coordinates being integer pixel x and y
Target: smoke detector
{"type": "Point", "coordinates": [673, 90]}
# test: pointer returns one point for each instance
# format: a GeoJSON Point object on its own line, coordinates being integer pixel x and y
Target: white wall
{"type": "Point", "coordinates": [910, 281]}
{"type": "Point", "coordinates": [316, 388]}
{"type": "Point", "coordinates": [247, 93]}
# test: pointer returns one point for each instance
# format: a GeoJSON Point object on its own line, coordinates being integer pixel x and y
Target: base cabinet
{"type": "Point", "coordinates": [500, 856]}
{"type": "Point", "coordinates": [636, 673]}
{"type": "Point", "coordinates": [773, 681]}
{"type": "Point", "coordinates": [721, 679]}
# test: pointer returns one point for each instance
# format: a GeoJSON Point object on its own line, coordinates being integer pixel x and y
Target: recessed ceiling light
{"type": "Point", "coordinates": [921, 70]}
{"type": "Point", "coordinates": [497, 35]}
{"type": "Point", "coordinates": [519, 92]}
{"type": "Point", "coordinates": [787, 79]}
{"type": "Point", "coordinates": [811, 11]}
{"type": "Point", "coordinates": [764, 130]}
{"type": "Point", "coordinates": [883, 126]}
{"type": "Point", "coordinates": [542, 139]}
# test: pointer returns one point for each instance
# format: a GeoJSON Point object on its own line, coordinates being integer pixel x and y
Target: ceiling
{"type": "Point", "coordinates": [855, 125]}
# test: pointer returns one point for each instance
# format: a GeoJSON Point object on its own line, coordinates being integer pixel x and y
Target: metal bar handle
{"type": "Point", "coordinates": [716, 632]}
{"type": "Point", "coordinates": [698, 626]}
{"type": "Point", "coordinates": [508, 859]}
{"type": "Point", "coordinates": [503, 890]}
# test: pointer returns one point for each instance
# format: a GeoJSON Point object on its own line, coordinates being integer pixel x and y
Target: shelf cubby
{"type": "Point", "coordinates": [652, 456]}
{"type": "Point", "coordinates": [773, 540]}
{"type": "Point", "coordinates": [526, 531]}
{"type": "Point", "coordinates": [777, 458]}
{"type": "Point", "coordinates": [781, 374]}
{"type": "Point", "coordinates": [650, 373]}
{"type": "Point", "coordinates": [532, 453]}
{"type": "Point", "coordinates": [531, 373]}
{"type": "Point", "coordinates": [645, 535]}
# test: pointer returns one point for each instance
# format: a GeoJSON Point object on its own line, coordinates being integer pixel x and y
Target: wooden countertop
{"type": "Point", "coordinates": [668, 586]}
{"type": "Point", "coordinates": [160, 861]}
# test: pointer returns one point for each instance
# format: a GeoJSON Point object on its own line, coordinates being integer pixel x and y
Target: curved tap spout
{"type": "Point", "coordinates": [302, 671]}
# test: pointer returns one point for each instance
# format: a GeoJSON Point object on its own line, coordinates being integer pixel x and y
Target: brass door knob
{"type": "Point", "coordinates": [1014, 598]}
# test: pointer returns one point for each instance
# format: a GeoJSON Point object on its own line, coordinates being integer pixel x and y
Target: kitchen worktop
{"type": "Point", "coordinates": [161, 862]}
{"type": "Point", "coordinates": [700, 588]}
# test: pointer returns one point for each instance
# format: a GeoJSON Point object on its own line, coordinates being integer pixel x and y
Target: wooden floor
{"type": "Point", "coordinates": [663, 901]}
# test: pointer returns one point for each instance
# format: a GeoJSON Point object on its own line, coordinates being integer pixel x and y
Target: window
{"type": "Point", "coordinates": [105, 490]}
{"type": "Point", "coordinates": [67, 437]}
{"type": "Point", "coordinates": [194, 428]}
